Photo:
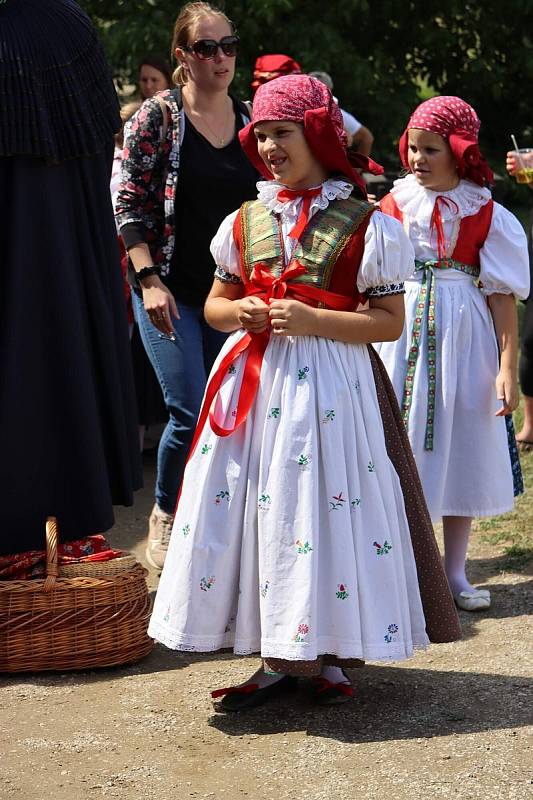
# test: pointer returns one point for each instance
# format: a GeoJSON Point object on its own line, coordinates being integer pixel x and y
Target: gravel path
{"type": "Point", "coordinates": [450, 723]}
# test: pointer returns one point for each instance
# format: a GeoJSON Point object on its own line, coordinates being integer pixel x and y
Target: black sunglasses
{"type": "Point", "coordinates": [205, 49]}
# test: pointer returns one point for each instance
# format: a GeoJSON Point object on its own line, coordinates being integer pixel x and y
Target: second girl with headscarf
{"type": "Point", "coordinates": [298, 516]}
{"type": "Point", "coordinates": [471, 262]}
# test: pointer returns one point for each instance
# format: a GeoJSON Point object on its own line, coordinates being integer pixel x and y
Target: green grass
{"type": "Point", "coordinates": [513, 532]}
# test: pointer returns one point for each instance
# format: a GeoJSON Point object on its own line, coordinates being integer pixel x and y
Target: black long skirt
{"type": "Point", "coordinates": [68, 438]}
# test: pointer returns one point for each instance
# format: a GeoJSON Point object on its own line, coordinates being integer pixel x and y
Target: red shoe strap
{"type": "Point", "coordinates": [345, 688]}
{"type": "Point", "coordinates": [248, 689]}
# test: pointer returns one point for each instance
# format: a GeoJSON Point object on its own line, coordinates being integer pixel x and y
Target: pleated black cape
{"type": "Point", "coordinates": [68, 438]}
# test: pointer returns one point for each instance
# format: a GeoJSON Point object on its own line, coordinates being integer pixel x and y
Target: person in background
{"type": "Point", "coordinates": [525, 368]}
{"type": "Point", "coordinates": [273, 66]}
{"type": "Point", "coordinates": [359, 136]}
{"type": "Point", "coordinates": [183, 171]}
{"type": "Point", "coordinates": [126, 113]}
{"type": "Point", "coordinates": [151, 409]}
{"type": "Point", "coordinates": [155, 75]}
{"type": "Point", "coordinates": [69, 439]}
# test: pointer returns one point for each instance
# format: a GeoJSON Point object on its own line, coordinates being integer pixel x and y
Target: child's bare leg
{"type": "Point", "coordinates": [456, 534]}
{"type": "Point", "coordinates": [526, 434]}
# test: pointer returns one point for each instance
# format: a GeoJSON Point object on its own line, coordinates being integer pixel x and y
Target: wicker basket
{"type": "Point", "coordinates": [58, 623]}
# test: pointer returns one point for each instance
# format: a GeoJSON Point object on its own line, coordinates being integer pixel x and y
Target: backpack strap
{"type": "Point", "coordinates": [244, 106]}
{"type": "Point", "coordinates": [248, 107]}
{"type": "Point", "coordinates": [164, 111]}
{"type": "Point", "coordinates": [176, 95]}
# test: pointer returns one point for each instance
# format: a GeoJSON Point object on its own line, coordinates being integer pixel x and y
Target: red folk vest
{"type": "Point", "coordinates": [330, 248]}
{"type": "Point", "coordinates": [473, 230]}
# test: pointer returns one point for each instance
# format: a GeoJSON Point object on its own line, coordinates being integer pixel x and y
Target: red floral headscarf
{"type": "Point", "coordinates": [458, 123]}
{"type": "Point", "coordinates": [305, 100]}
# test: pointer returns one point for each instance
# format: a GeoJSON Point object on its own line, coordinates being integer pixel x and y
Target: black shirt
{"type": "Point", "coordinates": [212, 183]}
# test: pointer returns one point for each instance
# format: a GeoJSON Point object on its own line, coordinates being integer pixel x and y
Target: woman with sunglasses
{"type": "Point", "coordinates": [183, 172]}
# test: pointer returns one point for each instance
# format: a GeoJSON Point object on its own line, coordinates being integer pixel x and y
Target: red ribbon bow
{"type": "Point", "coordinates": [303, 217]}
{"type": "Point", "coordinates": [437, 224]}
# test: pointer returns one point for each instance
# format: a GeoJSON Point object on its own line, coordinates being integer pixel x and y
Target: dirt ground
{"type": "Point", "coordinates": [453, 722]}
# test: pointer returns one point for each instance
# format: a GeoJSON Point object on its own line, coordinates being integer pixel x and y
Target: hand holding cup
{"type": "Point", "coordinates": [519, 164]}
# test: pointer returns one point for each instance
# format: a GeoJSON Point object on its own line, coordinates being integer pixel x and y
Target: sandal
{"type": "Point", "coordinates": [327, 693]}
{"type": "Point", "coordinates": [238, 698]}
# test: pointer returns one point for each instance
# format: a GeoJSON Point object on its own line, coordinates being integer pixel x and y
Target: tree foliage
{"type": "Point", "coordinates": [384, 57]}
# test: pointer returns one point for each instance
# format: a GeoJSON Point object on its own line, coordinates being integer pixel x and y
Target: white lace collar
{"type": "Point", "coordinates": [417, 203]}
{"type": "Point", "coordinates": [331, 190]}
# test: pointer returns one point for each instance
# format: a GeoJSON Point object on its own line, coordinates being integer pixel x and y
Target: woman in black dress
{"type": "Point", "coordinates": [69, 441]}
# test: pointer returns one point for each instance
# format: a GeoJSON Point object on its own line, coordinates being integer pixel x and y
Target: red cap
{"type": "Point", "coordinates": [273, 66]}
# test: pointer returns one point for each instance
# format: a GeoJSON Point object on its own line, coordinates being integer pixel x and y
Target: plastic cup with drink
{"type": "Point", "coordinates": [523, 157]}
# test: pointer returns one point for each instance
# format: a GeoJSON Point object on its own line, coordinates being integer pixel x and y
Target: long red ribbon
{"type": "Point", "coordinates": [262, 284]}
{"type": "Point", "coordinates": [285, 195]}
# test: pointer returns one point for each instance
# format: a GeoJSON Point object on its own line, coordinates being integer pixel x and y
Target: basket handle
{"type": "Point", "coordinates": [52, 570]}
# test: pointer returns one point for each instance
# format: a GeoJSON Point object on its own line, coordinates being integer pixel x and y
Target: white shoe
{"type": "Point", "coordinates": [478, 600]}
{"type": "Point", "coordinates": [160, 528]}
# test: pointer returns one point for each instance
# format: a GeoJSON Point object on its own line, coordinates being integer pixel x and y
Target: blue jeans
{"type": "Point", "coordinates": [181, 367]}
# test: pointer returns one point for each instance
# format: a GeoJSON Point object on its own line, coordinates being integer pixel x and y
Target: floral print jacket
{"type": "Point", "coordinates": [144, 207]}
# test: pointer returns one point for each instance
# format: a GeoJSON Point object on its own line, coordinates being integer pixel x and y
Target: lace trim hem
{"type": "Point", "coordinates": [395, 651]}
{"type": "Point", "coordinates": [473, 512]}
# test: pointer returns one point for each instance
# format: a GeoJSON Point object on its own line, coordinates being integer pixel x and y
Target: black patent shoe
{"type": "Point", "coordinates": [239, 698]}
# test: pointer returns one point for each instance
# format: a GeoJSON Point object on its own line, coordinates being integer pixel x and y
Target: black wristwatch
{"type": "Point", "coordinates": [145, 272]}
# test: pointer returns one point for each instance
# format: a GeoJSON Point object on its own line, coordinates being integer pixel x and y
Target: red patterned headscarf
{"type": "Point", "coordinates": [305, 100]}
{"type": "Point", "coordinates": [458, 123]}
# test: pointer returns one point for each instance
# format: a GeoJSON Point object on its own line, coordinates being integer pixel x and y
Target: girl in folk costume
{"type": "Point", "coordinates": [301, 506]}
{"type": "Point", "coordinates": [454, 387]}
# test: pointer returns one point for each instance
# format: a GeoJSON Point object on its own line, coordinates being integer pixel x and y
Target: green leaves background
{"type": "Point", "coordinates": [384, 57]}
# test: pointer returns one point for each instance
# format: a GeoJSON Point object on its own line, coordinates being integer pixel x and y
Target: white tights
{"type": "Point", "coordinates": [456, 534]}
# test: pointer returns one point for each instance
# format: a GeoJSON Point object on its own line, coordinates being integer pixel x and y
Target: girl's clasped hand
{"type": "Point", "coordinates": [281, 317]}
